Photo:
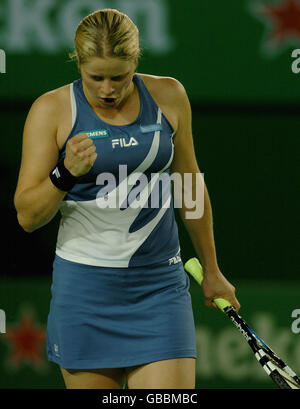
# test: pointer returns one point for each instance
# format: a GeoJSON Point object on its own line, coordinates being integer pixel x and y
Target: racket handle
{"type": "Point", "coordinates": [194, 268]}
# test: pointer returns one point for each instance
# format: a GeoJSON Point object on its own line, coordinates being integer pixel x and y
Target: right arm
{"type": "Point", "coordinates": [36, 199]}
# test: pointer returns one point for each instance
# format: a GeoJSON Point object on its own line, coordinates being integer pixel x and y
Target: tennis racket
{"type": "Point", "coordinates": [277, 370]}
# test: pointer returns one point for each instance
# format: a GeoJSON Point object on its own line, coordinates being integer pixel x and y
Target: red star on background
{"type": "Point", "coordinates": [26, 341]}
{"type": "Point", "coordinates": [285, 20]}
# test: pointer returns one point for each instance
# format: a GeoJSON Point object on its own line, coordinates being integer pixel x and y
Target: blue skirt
{"type": "Point", "coordinates": [119, 317]}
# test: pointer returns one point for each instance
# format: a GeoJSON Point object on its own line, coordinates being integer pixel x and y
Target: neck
{"type": "Point", "coordinates": [111, 112]}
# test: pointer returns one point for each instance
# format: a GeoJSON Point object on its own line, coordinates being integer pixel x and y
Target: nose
{"type": "Point", "coordinates": [107, 88]}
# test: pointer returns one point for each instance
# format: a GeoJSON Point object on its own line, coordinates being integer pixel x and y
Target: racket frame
{"type": "Point", "coordinates": [262, 352]}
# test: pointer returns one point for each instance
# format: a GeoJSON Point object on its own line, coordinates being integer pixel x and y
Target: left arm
{"type": "Point", "coordinates": [200, 229]}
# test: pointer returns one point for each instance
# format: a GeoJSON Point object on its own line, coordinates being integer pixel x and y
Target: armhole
{"type": "Point", "coordinates": [73, 104]}
{"type": "Point", "coordinates": [73, 117]}
{"type": "Point", "coordinates": [155, 103]}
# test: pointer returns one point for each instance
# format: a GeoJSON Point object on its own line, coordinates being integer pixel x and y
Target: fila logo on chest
{"type": "Point", "coordinates": [122, 143]}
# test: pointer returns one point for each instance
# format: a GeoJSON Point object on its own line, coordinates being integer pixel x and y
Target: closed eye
{"type": "Point", "coordinates": [98, 78]}
{"type": "Point", "coordinates": [95, 78]}
{"type": "Point", "coordinates": [119, 78]}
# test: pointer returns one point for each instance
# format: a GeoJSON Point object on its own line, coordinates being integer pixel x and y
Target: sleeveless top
{"type": "Point", "coordinates": [120, 214]}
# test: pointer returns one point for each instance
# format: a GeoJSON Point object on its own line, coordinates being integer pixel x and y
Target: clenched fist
{"type": "Point", "coordinates": [80, 154]}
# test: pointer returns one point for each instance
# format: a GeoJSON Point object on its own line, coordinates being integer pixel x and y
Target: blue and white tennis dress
{"type": "Point", "coordinates": [120, 295]}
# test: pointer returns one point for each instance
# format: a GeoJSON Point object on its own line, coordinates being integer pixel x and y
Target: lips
{"type": "Point", "coordinates": [109, 101]}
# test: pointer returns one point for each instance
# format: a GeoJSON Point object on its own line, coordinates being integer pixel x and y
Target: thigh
{"type": "Point", "coordinates": [110, 378]}
{"type": "Point", "coordinates": [176, 373]}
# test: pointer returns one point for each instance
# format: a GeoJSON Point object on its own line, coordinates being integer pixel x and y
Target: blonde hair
{"type": "Point", "coordinates": [106, 33]}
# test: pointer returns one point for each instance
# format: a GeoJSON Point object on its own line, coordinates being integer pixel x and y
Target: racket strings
{"type": "Point", "coordinates": [289, 380]}
{"type": "Point", "coordinates": [281, 374]}
{"type": "Point", "coordinates": [277, 369]}
{"type": "Point", "coordinates": [283, 369]}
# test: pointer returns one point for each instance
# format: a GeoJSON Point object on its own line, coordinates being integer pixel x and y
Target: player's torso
{"type": "Point", "coordinates": [125, 198]}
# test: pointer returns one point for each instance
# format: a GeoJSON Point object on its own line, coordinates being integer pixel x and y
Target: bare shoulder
{"type": "Point", "coordinates": [163, 87]}
{"type": "Point", "coordinates": [52, 112]}
{"type": "Point", "coordinates": [168, 93]}
{"type": "Point", "coordinates": [52, 101]}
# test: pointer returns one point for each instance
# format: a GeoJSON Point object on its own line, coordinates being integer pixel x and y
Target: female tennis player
{"type": "Point", "coordinates": [120, 309]}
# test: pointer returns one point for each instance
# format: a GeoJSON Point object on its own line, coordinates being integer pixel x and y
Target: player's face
{"type": "Point", "coordinates": [107, 82]}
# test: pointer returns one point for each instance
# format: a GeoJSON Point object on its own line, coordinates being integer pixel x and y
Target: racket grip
{"type": "Point", "coordinates": [194, 268]}
{"type": "Point", "coordinates": [221, 303]}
